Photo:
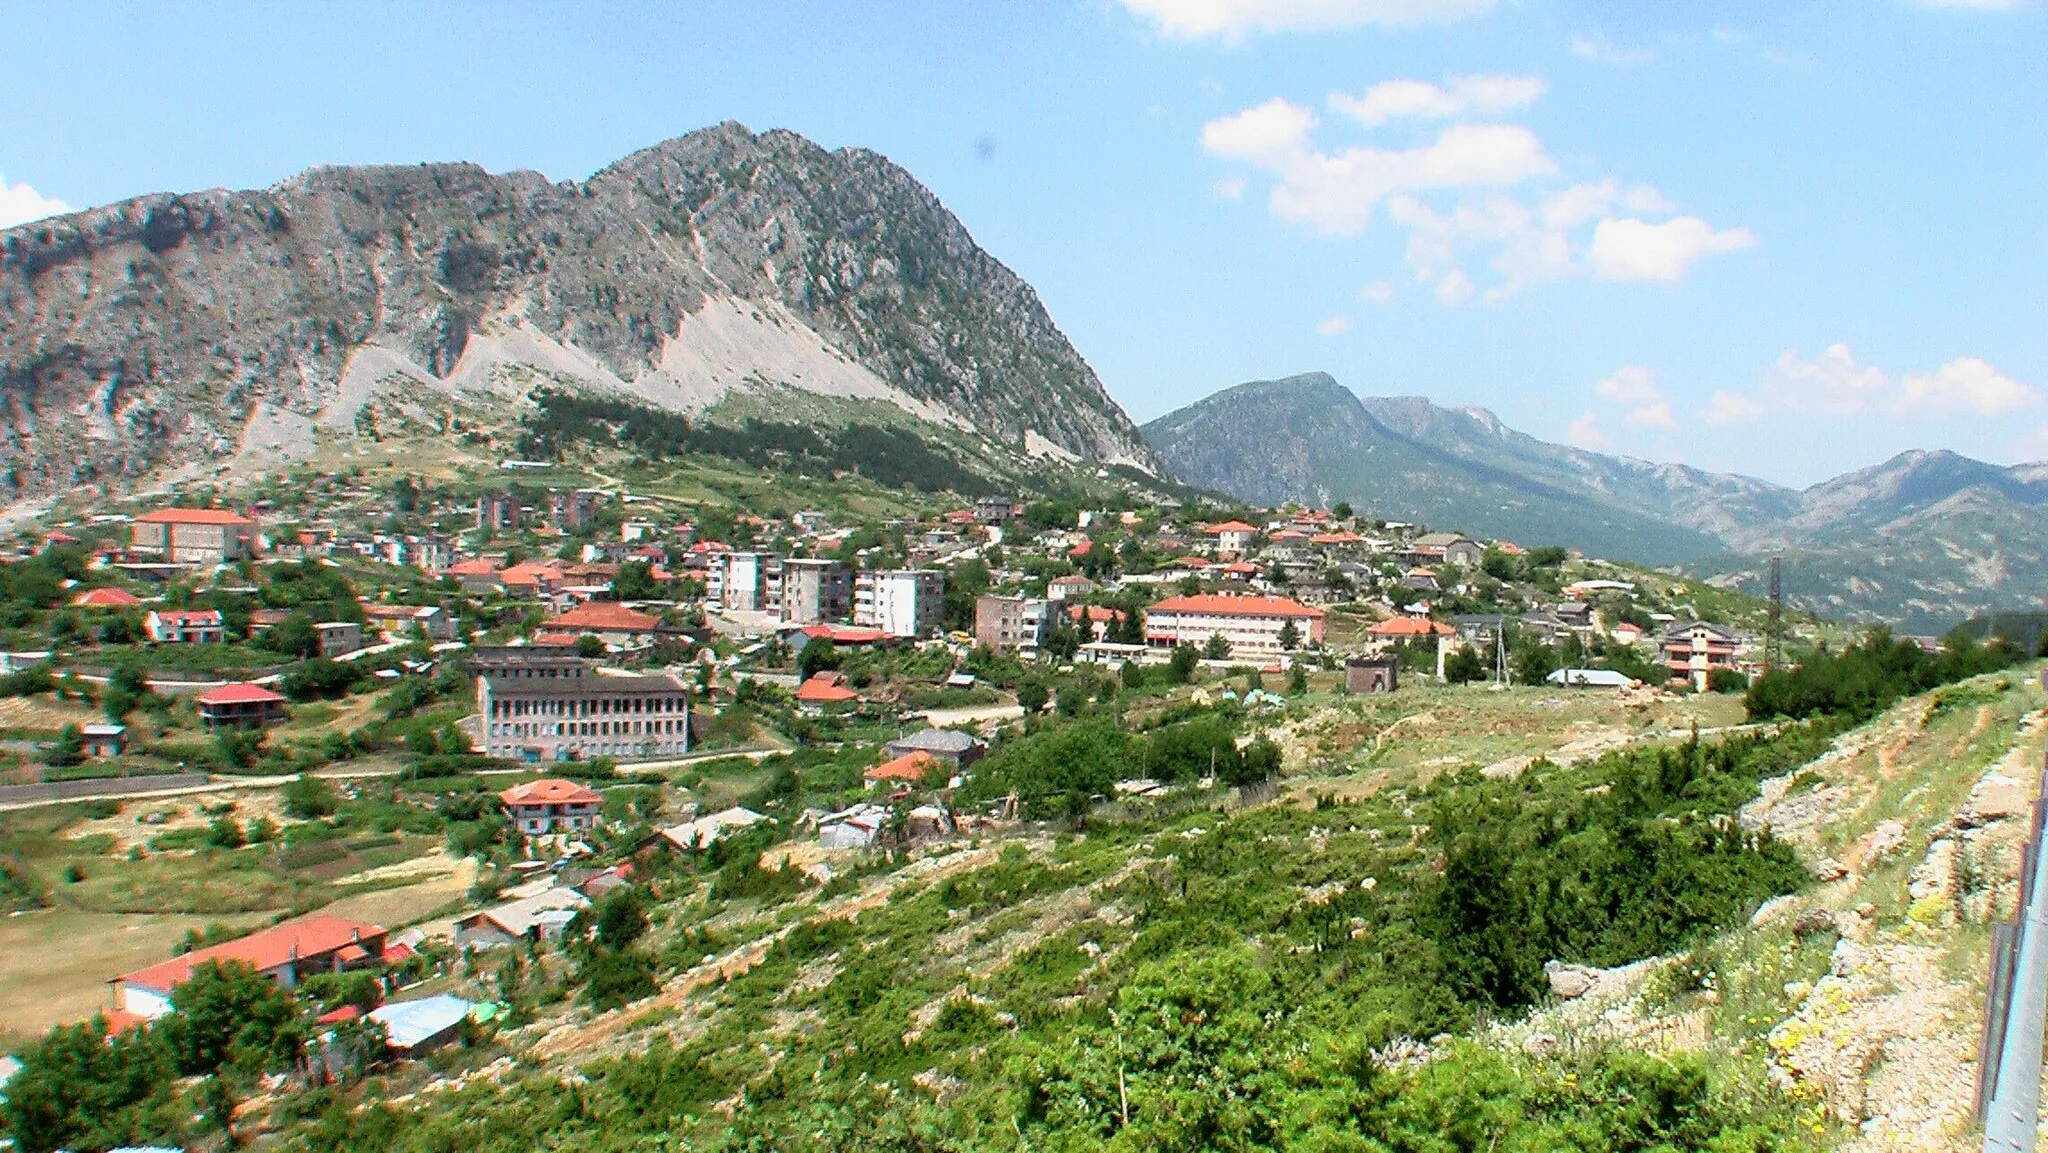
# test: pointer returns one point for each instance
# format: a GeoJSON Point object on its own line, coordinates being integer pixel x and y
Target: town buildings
{"type": "Point", "coordinates": [497, 512]}
{"type": "Point", "coordinates": [541, 704]}
{"type": "Point", "coordinates": [185, 626]}
{"type": "Point", "coordinates": [205, 536]}
{"type": "Point", "coordinates": [241, 706]}
{"type": "Point", "coordinates": [1695, 650]}
{"type": "Point", "coordinates": [611, 622]}
{"type": "Point", "coordinates": [1011, 624]}
{"type": "Point", "coordinates": [739, 581]}
{"type": "Point", "coordinates": [1254, 625]}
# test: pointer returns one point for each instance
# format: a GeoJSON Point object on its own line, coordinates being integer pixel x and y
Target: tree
{"type": "Point", "coordinates": [1180, 666]}
{"type": "Point", "coordinates": [1341, 510]}
{"type": "Point", "coordinates": [1464, 666]}
{"type": "Point", "coordinates": [79, 1088]}
{"type": "Point", "coordinates": [309, 798]}
{"type": "Point", "coordinates": [125, 690]}
{"type": "Point", "coordinates": [227, 1015]}
{"type": "Point", "coordinates": [68, 749]}
{"type": "Point", "coordinates": [1073, 695]}
{"type": "Point", "coordinates": [590, 647]}
{"type": "Point", "coordinates": [635, 582]}
{"type": "Point", "coordinates": [1132, 674]}
{"type": "Point", "coordinates": [1290, 635]}
{"type": "Point", "coordinates": [294, 636]}
{"type": "Point", "coordinates": [819, 655]}
{"type": "Point", "coordinates": [1217, 647]}
{"type": "Point", "coordinates": [1032, 695]}
{"type": "Point", "coordinates": [225, 833]}
{"type": "Point", "coordinates": [1297, 679]}
{"type": "Point", "coordinates": [1261, 762]}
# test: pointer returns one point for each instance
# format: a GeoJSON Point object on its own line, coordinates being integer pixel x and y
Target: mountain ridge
{"type": "Point", "coordinates": [1924, 538]}
{"type": "Point", "coordinates": [200, 325]}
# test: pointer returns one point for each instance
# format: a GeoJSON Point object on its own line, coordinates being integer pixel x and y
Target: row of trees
{"type": "Point", "coordinates": [1863, 680]}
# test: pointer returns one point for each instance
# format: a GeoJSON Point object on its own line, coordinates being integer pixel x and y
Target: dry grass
{"type": "Point", "coordinates": [55, 963]}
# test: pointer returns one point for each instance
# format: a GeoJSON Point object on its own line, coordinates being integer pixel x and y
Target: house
{"type": "Point", "coordinates": [431, 621]}
{"type": "Point", "coordinates": [1626, 633]}
{"type": "Point", "coordinates": [955, 749]}
{"type": "Point", "coordinates": [1010, 624]}
{"type": "Point", "coordinates": [105, 598]}
{"type": "Point", "coordinates": [477, 575]}
{"type": "Point", "coordinates": [497, 512]}
{"type": "Point", "coordinates": [286, 953]}
{"type": "Point", "coordinates": [698, 834]}
{"type": "Point", "coordinates": [611, 622]}
{"type": "Point", "coordinates": [1449, 547]}
{"type": "Point", "coordinates": [825, 693]}
{"type": "Point", "coordinates": [1695, 650]}
{"type": "Point", "coordinates": [241, 706]}
{"type": "Point", "coordinates": [104, 740]}
{"type": "Point", "coordinates": [551, 805]}
{"type": "Point", "coordinates": [1397, 630]}
{"type": "Point", "coordinates": [1371, 674]}
{"type": "Point", "coordinates": [854, 828]}
{"type": "Point", "coordinates": [540, 703]}
{"type": "Point", "coordinates": [909, 769]}
{"type": "Point", "coordinates": [1070, 587]}
{"type": "Point", "coordinates": [573, 510]}
{"type": "Point", "coordinates": [1234, 536]}
{"type": "Point", "coordinates": [415, 1027]}
{"type": "Point", "coordinates": [541, 916]}
{"type": "Point", "coordinates": [339, 638]}
{"type": "Point", "coordinates": [1254, 625]}
{"type": "Point", "coordinates": [185, 626]}
{"type": "Point", "coordinates": [1591, 679]}
{"type": "Point", "coordinates": [208, 536]}
{"type": "Point", "coordinates": [902, 602]}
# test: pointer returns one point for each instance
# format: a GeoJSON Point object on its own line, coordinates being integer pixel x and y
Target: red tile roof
{"type": "Point", "coordinates": [473, 567]}
{"type": "Point", "coordinates": [183, 617]}
{"type": "Point", "coordinates": [909, 767]}
{"type": "Point", "coordinates": [193, 516]}
{"type": "Point", "coordinates": [105, 598]}
{"type": "Point", "coordinates": [531, 573]}
{"type": "Point", "coordinates": [824, 688]}
{"type": "Point", "coordinates": [1244, 606]}
{"type": "Point", "coordinates": [238, 694]}
{"type": "Point", "coordinates": [311, 938]}
{"type": "Point", "coordinates": [1337, 538]}
{"type": "Point", "coordinates": [603, 616]}
{"type": "Point", "coordinates": [550, 791]}
{"type": "Point", "coordinates": [1231, 526]}
{"type": "Point", "coordinates": [1411, 627]}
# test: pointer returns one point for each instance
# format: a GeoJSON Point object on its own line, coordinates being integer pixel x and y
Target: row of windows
{"type": "Point", "coordinates": [587, 707]}
{"type": "Point", "coordinates": [587, 728]}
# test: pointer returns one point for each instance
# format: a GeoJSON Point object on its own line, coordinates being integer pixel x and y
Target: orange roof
{"type": "Point", "coordinates": [1410, 627]}
{"type": "Point", "coordinates": [239, 694]}
{"type": "Point", "coordinates": [193, 516]}
{"type": "Point", "coordinates": [1241, 568]}
{"type": "Point", "coordinates": [603, 616]}
{"type": "Point", "coordinates": [119, 1021]}
{"type": "Point", "coordinates": [1290, 534]}
{"type": "Point", "coordinates": [1337, 538]}
{"type": "Point", "coordinates": [476, 566]}
{"type": "Point", "coordinates": [1246, 606]}
{"type": "Point", "coordinates": [1095, 612]}
{"type": "Point", "coordinates": [1231, 526]}
{"type": "Point", "coordinates": [531, 573]}
{"type": "Point", "coordinates": [550, 791]}
{"type": "Point", "coordinates": [908, 767]}
{"type": "Point", "coordinates": [279, 945]}
{"type": "Point", "coordinates": [1193, 561]}
{"type": "Point", "coordinates": [824, 688]}
{"type": "Point", "coordinates": [105, 598]}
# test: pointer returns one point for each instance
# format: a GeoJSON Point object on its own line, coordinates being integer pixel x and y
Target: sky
{"type": "Point", "coordinates": [1788, 240]}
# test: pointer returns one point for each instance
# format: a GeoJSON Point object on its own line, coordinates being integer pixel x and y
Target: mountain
{"type": "Point", "coordinates": [173, 328]}
{"type": "Point", "coordinates": [1924, 539]}
{"type": "Point", "coordinates": [1308, 438]}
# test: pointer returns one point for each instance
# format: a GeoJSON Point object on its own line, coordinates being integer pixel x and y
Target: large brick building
{"type": "Point", "coordinates": [538, 703]}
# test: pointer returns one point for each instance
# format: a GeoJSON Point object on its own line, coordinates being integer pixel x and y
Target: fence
{"type": "Point", "coordinates": [2008, 1099]}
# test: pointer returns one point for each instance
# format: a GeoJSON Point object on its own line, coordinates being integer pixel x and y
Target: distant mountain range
{"type": "Point", "coordinates": [1924, 539]}
{"type": "Point", "coordinates": [178, 330]}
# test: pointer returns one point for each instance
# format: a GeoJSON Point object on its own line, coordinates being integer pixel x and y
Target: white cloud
{"type": "Point", "coordinates": [1333, 325]}
{"type": "Point", "coordinates": [1733, 408]}
{"type": "Point", "coordinates": [1597, 47]}
{"type": "Point", "coordinates": [1626, 248]}
{"type": "Point", "coordinates": [1835, 383]}
{"type": "Point", "coordinates": [1634, 387]}
{"type": "Point", "coordinates": [1585, 432]}
{"type": "Point", "coordinates": [1233, 20]}
{"type": "Point", "coordinates": [1421, 100]}
{"type": "Point", "coordinates": [1965, 383]}
{"type": "Point", "coordinates": [1378, 292]}
{"type": "Point", "coordinates": [1273, 135]}
{"type": "Point", "coordinates": [20, 204]}
{"type": "Point", "coordinates": [1232, 187]}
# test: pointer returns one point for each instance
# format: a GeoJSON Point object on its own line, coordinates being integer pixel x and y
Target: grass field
{"type": "Point", "coordinates": [55, 963]}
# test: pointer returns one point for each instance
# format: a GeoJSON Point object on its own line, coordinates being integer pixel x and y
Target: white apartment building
{"type": "Point", "coordinates": [900, 602]}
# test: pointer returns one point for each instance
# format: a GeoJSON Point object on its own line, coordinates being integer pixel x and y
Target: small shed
{"type": "Point", "coordinates": [1371, 674]}
{"type": "Point", "coordinates": [104, 740]}
{"type": "Point", "coordinates": [415, 1027]}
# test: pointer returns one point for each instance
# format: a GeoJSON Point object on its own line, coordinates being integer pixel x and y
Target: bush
{"type": "Point", "coordinates": [310, 798]}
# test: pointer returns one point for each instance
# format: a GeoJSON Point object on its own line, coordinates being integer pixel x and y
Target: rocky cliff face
{"type": "Point", "coordinates": [178, 327]}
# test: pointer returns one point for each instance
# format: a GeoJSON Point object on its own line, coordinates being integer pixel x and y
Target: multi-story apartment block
{"type": "Point", "coordinates": [815, 590]}
{"type": "Point", "coordinates": [573, 510]}
{"type": "Point", "coordinates": [1011, 624]}
{"type": "Point", "coordinates": [497, 512]}
{"type": "Point", "coordinates": [1252, 624]}
{"type": "Point", "coordinates": [900, 602]}
{"type": "Point", "coordinates": [739, 580]}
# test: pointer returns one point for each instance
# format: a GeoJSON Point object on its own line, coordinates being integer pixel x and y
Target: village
{"type": "Point", "coordinates": [586, 699]}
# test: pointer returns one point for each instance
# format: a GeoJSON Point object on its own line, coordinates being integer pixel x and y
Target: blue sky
{"type": "Point", "coordinates": [1783, 239]}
